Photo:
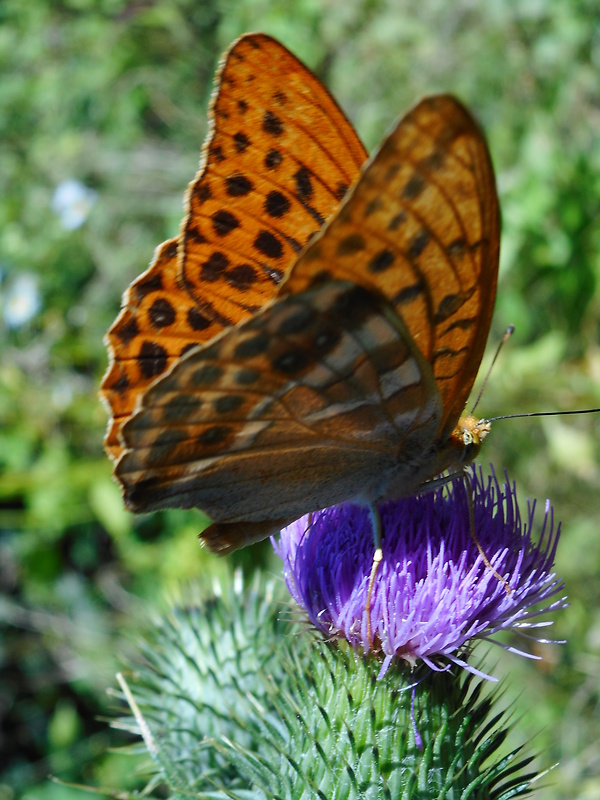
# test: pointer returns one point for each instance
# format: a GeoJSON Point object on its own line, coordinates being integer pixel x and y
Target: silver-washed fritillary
{"type": "Point", "coordinates": [314, 332]}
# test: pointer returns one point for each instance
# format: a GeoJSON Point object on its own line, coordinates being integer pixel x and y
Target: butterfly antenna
{"type": "Point", "coordinates": [546, 414]}
{"type": "Point", "coordinates": [471, 506]}
{"type": "Point", "coordinates": [509, 332]}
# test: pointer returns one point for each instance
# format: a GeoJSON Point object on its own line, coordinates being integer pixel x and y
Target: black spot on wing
{"type": "Point", "coordinates": [381, 261]}
{"type": "Point", "coordinates": [241, 142]}
{"type": "Point", "coordinates": [151, 284]}
{"type": "Point", "coordinates": [224, 222]}
{"type": "Point", "coordinates": [121, 384]}
{"type": "Point", "coordinates": [350, 245]}
{"type": "Point", "coordinates": [152, 359]}
{"type": "Point", "coordinates": [180, 407]}
{"type": "Point", "coordinates": [206, 375]}
{"type": "Point", "coordinates": [273, 159]}
{"type": "Point", "coordinates": [434, 161]}
{"type": "Point", "coordinates": [241, 276]}
{"type": "Point", "coordinates": [268, 244]}
{"type": "Point", "coordinates": [457, 248]}
{"type": "Point", "coordinates": [247, 376]}
{"type": "Point", "coordinates": [163, 445]}
{"type": "Point", "coordinates": [340, 190]}
{"type": "Point", "coordinates": [228, 403]}
{"type": "Point", "coordinates": [304, 185]}
{"type": "Point", "coordinates": [272, 124]}
{"type": "Point", "coordinates": [409, 294]}
{"type": "Point", "coordinates": [292, 361]}
{"type": "Point", "coordinates": [297, 322]}
{"type": "Point", "coordinates": [214, 267]}
{"type": "Point", "coordinates": [418, 243]}
{"type": "Point", "coordinates": [194, 234]}
{"type": "Point", "coordinates": [253, 346]}
{"type": "Point", "coordinates": [238, 185]}
{"type": "Point", "coordinates": [217, 434]}
{"type": "Point", "coordinates": [372, 206]}
{"type": "Point", "coordinates": [128, 331]}
{"type": "Point", "coordinates": [354, 305]}
{"type": "Point", "coordinates": [171, 250]}
{"type": "Point", "coordinates": [396, 221]}
{"type": "Point", "coordinates": [196, 320]}
{"type": "Point", "coordinates": [450, 304]}
{"type": "Point", "coordinates": [216, 154]}
{"type": "Point", "coordinates": [463, 324]}
{"type": "Point", "coordinates": [161, 313]}
{"type": "Point", "coordinates": [276, 204]}
{"type": "Point", "coordinates": [413, 187]}
{"type": "Point", "coordinates": [202, 193]}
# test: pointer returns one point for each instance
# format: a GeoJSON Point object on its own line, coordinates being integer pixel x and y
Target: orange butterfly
{"type": "Point", "coordinates": [287, 351]}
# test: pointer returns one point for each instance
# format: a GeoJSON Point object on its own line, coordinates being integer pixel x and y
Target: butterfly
{"type": "Point", "coordinates": [313, 333]}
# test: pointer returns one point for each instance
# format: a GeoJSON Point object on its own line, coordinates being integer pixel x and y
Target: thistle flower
{"type": "Point", "coordinates": [433, 592]}
{"type": "Point", "coordinates": [233, 702]}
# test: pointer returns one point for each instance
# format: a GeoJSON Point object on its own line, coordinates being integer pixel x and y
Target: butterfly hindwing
{"type": "Point", "coordinates": [302, 406]}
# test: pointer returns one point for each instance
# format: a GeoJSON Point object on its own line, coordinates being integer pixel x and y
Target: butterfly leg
{"type": "Point", "coordinates": [486, 561]}
{"type": "Point", "coordinates": [377, 557]}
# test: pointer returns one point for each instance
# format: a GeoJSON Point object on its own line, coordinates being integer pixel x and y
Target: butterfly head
{"type": "Point", "coordinates": [468, 435]}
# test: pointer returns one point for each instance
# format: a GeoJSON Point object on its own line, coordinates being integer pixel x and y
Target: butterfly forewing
{"type": "Point", "coordinates": [279, 157]}
{"type": "Point", "coordinates": [136, 357]}
{"type": "Point", "coordinates": [421, 226]}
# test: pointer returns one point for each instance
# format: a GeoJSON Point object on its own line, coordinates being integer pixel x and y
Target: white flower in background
{"type": "Point", "coordinates": [21, 300]}
{"type": "Point", "coordinates": [73, 201]}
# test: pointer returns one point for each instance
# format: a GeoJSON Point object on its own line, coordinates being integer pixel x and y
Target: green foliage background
{"type": "Point", "coordinates": [114, 94]}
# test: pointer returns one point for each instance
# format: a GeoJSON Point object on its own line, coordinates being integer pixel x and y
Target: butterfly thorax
{"type": "Point", "coordinates": [417, 468]}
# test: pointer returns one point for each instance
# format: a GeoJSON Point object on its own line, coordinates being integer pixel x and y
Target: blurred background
{"type": "Point", "coordinates": [102, 116]}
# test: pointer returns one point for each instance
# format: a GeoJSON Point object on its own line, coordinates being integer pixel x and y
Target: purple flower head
{"type": "Point", "coordinates": [433, 591]}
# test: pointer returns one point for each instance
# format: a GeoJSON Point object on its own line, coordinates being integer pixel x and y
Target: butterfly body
{"type": "Point", "coordinates": [350, 382]}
